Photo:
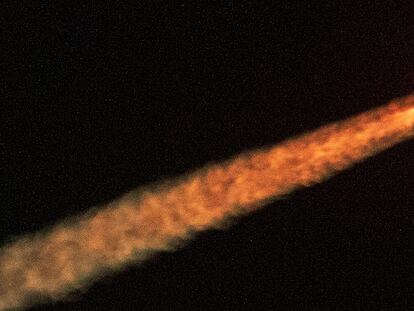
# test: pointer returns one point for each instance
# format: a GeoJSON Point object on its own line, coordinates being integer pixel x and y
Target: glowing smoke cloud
{"type": "Point", "coordinates": [69, 256]}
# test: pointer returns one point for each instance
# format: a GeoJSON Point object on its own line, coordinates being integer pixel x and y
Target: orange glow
{"type": "Point", "coordinates": [159, 217]}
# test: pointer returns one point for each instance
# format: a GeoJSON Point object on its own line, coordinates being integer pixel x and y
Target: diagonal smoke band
{"type": "Point", "coordinates": [70, 255]}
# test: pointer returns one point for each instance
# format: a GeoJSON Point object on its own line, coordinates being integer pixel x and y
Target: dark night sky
{"type": "Point", "coordinates": [101, 97]}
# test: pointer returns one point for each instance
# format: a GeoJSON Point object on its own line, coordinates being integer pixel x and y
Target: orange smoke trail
{"type": "Point", "coordinates": [72, 254]}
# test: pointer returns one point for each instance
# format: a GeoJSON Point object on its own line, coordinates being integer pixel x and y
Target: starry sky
{"type": "Point", "coordinates": [99, 98]}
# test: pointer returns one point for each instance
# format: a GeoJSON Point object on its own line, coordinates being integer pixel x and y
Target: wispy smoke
{"type": "Point", "coordinates": [71, 255]}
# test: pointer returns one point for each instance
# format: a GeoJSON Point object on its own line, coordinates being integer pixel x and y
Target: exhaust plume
{"type": "Point", "coordinates": [51, 264]}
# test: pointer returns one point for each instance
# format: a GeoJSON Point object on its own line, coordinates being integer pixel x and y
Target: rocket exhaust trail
{"type": "Point", "coordinates": [72, 254]}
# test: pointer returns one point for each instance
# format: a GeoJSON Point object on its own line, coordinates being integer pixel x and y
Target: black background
{"type": "Point", "coordinates": [99, 98]}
